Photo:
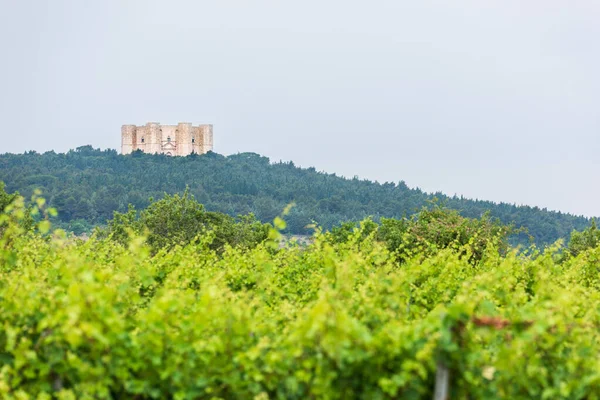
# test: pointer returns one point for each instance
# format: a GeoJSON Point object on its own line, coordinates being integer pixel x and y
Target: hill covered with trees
{"type": "Point", "coordinates": [87, 185]}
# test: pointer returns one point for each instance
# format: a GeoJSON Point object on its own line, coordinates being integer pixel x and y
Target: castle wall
{"type": "Point", "coordinates": [154, 138]}
{"type": "Point", "coordinates": [196, 140]}
{"type": "Point", "coordinates": [168, 131]}
{"type": "Point", "coordinates": [141, 138]}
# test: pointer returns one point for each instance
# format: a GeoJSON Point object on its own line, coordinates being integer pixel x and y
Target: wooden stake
{"type": "Point", "coordinates": [442, 382]}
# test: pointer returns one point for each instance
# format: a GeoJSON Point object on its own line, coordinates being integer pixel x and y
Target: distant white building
{"type": "Point", "coordinates": [173, 140]}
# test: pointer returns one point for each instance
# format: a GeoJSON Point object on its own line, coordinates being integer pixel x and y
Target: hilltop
{"type": "Point", "coordinates": [87, 185]}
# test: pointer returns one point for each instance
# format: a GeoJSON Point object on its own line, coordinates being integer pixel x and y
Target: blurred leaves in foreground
{"type": "Point", "coordinates": [179, 303]}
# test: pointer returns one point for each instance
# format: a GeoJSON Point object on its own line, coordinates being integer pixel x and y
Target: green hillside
{"type": "Point", "coordinates": [87, 185]}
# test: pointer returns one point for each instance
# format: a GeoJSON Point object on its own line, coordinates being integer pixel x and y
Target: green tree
{"type": "Point", "coordinates": [582, 241]}
{"type": "Point", "coordinates": [5, 198]}
{"type": "Point", "coordinates": [180, 219]}
{"type": "Point", "coordinates": [438, 228]}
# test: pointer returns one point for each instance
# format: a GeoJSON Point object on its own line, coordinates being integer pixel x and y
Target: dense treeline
{"type": "Point", "coordinates": [87, 185]}
{"type": "Point", "coordinates": [150, 308]}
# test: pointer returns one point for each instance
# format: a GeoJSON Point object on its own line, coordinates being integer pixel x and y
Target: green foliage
{"type": "Point", "coordinates": [337, 319]}
{"type": "Point", "coordinates": [346, 231]}
{"type": "Point", "coordinates": [14, 207]}
{"type": "Point", "coordinates": [89, 185]}
{"type": "Point", "coordinates": [431, 230]}
{"type": "Point", "coordinates": [5, 198]}
{"type": "Point", "coordinates": [587, 239]}
{"type": "Point", "coordinates": [179, 220]}
{"type": "Point", "coordinates": [438, 228]}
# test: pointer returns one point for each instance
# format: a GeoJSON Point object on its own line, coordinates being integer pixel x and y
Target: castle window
{"type": "Point", "coordinates": [168, 138]}
{"type": "Point", "coordinates": [142, 140]}
{"type": "Point", "coordinates": [193, 140]}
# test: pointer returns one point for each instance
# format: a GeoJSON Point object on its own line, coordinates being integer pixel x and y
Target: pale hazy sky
{"type": "Point", "coordinates": [491, 99]}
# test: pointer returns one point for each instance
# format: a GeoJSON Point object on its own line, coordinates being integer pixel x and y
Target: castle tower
{"type": "Point", "coordinates": [204, 139]}
{"type": "Point", "coordinates": [184, 138]}
{"type": "Point", "coordinates": [128, 139]}
{"type": "Point", "coordinates": [153, 138]}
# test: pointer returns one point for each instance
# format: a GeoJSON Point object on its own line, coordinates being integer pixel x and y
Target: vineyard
{"type": "Point", "coordinates": [348, 316]}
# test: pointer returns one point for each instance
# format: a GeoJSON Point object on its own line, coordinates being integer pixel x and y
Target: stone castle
{"type": "Point", "coordinates": [173, 140]}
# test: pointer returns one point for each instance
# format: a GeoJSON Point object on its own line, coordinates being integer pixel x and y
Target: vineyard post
{"type": "Point", "coordinates": [442, 382]}
{"type": "Point", "coordinates": [442, 374]}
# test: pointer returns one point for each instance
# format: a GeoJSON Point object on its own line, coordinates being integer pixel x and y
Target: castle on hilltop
{"type": "Point", "coordinates": [173, 140]}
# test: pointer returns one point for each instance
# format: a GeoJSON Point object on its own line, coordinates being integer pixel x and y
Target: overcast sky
{"type": "Point", "coordinates": [495, 99]}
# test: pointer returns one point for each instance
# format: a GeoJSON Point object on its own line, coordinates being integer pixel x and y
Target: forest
{"type": "Point", "coordinates": [88, 185]}
{"type": "Point", "coordinates": [175, 301]}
